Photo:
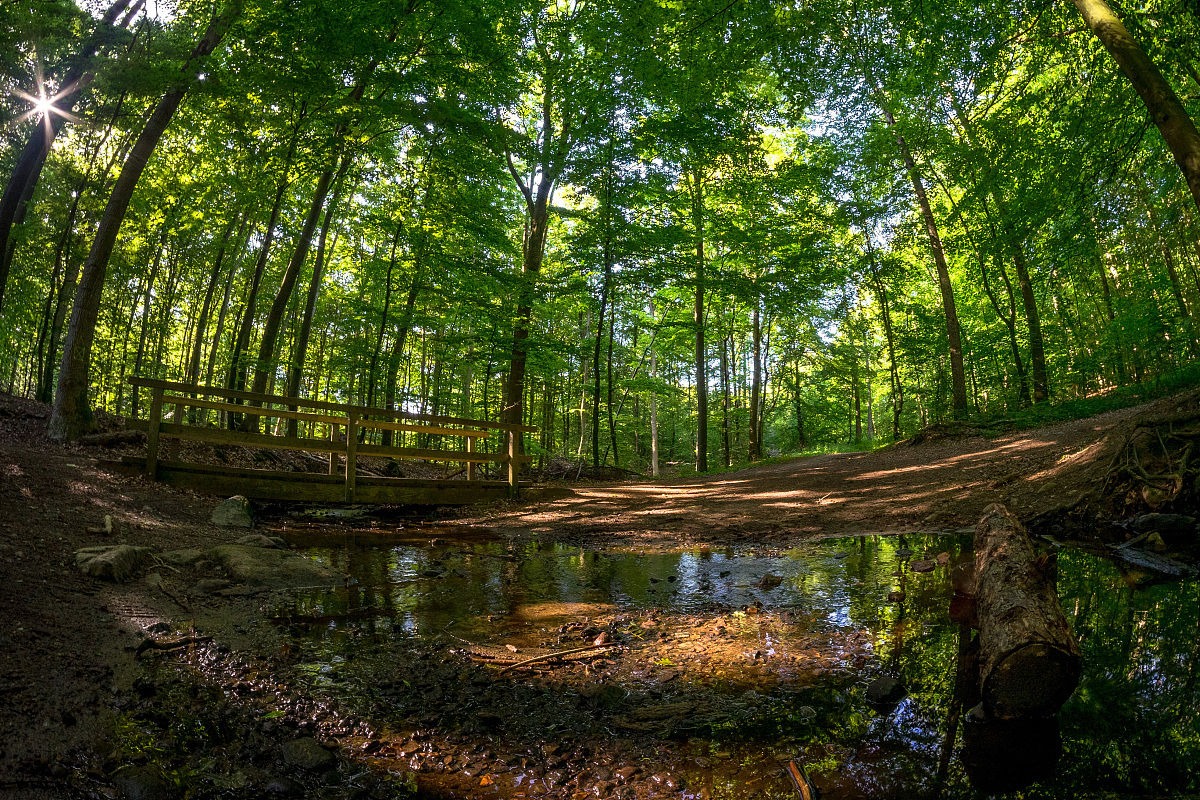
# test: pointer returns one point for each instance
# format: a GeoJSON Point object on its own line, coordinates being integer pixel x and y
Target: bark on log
{"type": "Point", "coordinates": [1029, 662]}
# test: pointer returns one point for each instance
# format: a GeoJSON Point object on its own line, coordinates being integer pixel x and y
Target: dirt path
{"type": "Point", "coordinates": [935, 485]}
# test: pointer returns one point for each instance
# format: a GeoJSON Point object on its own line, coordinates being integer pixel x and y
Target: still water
{"type": "Point", "coordinates": [737, 661]}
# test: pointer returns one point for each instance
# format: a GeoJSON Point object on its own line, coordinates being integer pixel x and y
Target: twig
{"type": "Point", "coordinates": [174, 599]}
{"type": "Point", "coordinates": [549, 656]}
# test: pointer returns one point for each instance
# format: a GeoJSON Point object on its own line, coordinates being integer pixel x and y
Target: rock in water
{"type": "Point", "coordinates": [922, 566]}
{"type": "Point", "coordinates": [116, 563]}
{"type": "Point", "coordinates": [769, 582]}
{"type": "Point", "coordinates": [307, 754]}
{"type": "Point", "coordinates": [142, 783]}
{"type": "Point", "coordinates": [263, 566]}
{"type": "Point", "coordinates": [233, 513]}
{"type": "Point", "coordinates": [885, 690]}
{"type": "Point", "coordinates": [261, 540]}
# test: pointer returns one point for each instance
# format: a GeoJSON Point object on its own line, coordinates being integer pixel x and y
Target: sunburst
{"type": "Point", "coordinates": [44, 104]}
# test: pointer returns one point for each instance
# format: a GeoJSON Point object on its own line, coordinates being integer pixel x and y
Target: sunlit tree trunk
{"type": "Point", "coordinates": [957, 374]}
{"type": "Point", "coordinates": [1177, 128]}
{"type": "Point", "coordinates": [696, 187]}
{"type": "Point", "coordinates": [755, 442]}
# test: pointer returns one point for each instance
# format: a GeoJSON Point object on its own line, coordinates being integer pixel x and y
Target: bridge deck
{"type": "Point", "coordinates": [314, 487]}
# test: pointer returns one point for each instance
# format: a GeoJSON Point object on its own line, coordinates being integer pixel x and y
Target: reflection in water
{"type": "Point", "coordinates": [768, 673]}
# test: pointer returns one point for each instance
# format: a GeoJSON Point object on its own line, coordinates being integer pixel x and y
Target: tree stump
{"type": "Point", "coordinates": [1029, 662]}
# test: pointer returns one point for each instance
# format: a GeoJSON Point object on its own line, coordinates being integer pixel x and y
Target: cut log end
{"type": "Point", "coordinates": [1033, 680]}
{"type": "Point", "coordinates": [1029, 662]}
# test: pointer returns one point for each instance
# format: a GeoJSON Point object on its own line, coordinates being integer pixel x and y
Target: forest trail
{"type": "Point", "coordinates": [939, 483]}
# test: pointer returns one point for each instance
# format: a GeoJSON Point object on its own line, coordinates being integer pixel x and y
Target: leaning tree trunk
{"type": "Point", "coordinates": [1168, 113]}
{"type": "Point", "coordinates": [300, 355]}
{"type": "Point", "coordinates": [72, 415]}
{"type": "Point", "coordinates": [957, 374]}
{"type": "Point", "coordinates": [1029, 663]}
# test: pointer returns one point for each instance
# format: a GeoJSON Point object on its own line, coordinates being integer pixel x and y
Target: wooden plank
{"type": "Point", "coordinates": [470, 464]}
{"type": "Point", "coordinates": [404, 426]}
{"type": "Point", "coordinates": [317, 487]}
{"type": "Point", "coordinates": [133, 465]}
{"type": "Point", "coordinates": [215, 391]}
{"type": "Point", "coordinates": [222, 436]}
{"type": "Point", "coordinates": [427, 455]}
{"type": "Point", "coordinates": [234, 408]}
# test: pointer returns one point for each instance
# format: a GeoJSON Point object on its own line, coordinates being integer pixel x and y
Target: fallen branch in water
{"type": "Point", "coordinates": [550, 656]}
{"type": "Point", "coordinates": [169, 644]}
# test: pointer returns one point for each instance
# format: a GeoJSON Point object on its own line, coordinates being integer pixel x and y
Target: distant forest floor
{"type": "Point", "coordinates": [1071, 478]}
{"type": "Point", "coordinates": [69, 640]}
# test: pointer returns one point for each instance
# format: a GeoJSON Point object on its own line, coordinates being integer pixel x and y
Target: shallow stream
{"type": "Point", "coordinates": [727, 665]}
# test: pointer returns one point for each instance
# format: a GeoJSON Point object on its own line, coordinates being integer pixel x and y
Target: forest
{"type": "Point", "coordinates": [669, 235]}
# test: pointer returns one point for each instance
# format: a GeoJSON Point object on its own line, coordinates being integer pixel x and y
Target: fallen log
{"type": "Point", "coordinates": [1029, 662]}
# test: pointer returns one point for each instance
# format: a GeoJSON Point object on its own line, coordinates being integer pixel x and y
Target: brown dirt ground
{"type": "Point", "coordinates": [939, 484]}
{"type": "Point", "coordinates": [67, 640]}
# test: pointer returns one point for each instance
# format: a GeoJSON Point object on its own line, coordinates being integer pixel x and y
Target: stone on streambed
{"type": "Point", "coordinates": [143, 783]}
{"type": "Point", "coordinates": [886, 690]}
{"type": "Point", "coordinates": [272, 568]}
{"type": "Point", "coordinates": [307, 754]}
{"type": "Point", "coordinates": [182, 558]}
{"type": "Point", "coordinates": [262, 540]}
{"type": "Point", "coordinates": [234, 512]}
{"type": "Point", "coordinates": [117, 563]}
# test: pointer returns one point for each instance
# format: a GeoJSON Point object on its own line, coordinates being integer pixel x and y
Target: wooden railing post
{"type": "Point", "coordinates": [513, 464]}
{"type": "Point", "coordinates": [351, 453]}
{"type": "Point", "coordinates": [152, 431]}
{"type": "Point", "coordinates": [332, 454]}
{"type": "Point", "coordinates": [173, 444]}
{"type": "Point", "coordinates": [471, 464]}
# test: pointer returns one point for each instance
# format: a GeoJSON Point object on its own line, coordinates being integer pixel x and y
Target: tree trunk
{"type": "Point", "coordinates": [604, 292]}
{"type": "Point", "coordinates": [728, 456]}
{"type": "Point", "coordinates": [383, 317]}
{"type": "Point", "coordinates": [1037, 349]}
{"type": "Point", "coordinates": [1168, 113]}
{"type": "Point", "coordinates": [146, 303]}
{"type": "Point", "coordinates": [237, 367]}
{"type": "Point", "coordinates": [608, 403]}
{"type": "Point", "coordinates": [72, 415]}
{"type": "Point", "coordinates": [755, 442]}
{"type": "Point", "coordinates": [957, 374]}
{"type": "Point", "coordinates": [265, 365]}
{"type": "Point", "coordinates": [1029, 663]}
{"type": "Point", "coordinates": [531, 268]}
{"type": "Point", "coordinates": [193, 373]}
{"type": "Point", "coordinates": [296, 371]}
{"type": "Point", "coordinates": [697, 187]}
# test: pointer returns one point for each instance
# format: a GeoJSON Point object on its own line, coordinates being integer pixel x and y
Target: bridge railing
{"type": "Point", "coordinates": [334, 429]}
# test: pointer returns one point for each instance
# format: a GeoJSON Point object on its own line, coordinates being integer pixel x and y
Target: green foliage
{"type": "Point", "coordinates": [751, 131]}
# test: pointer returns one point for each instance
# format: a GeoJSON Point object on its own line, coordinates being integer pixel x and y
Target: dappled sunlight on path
{"type": "Point", "coordinates": [942, 484]}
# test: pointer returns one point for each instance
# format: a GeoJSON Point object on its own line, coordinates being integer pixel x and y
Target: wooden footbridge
{"type": "Point", "coordinates": [344, 433]}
